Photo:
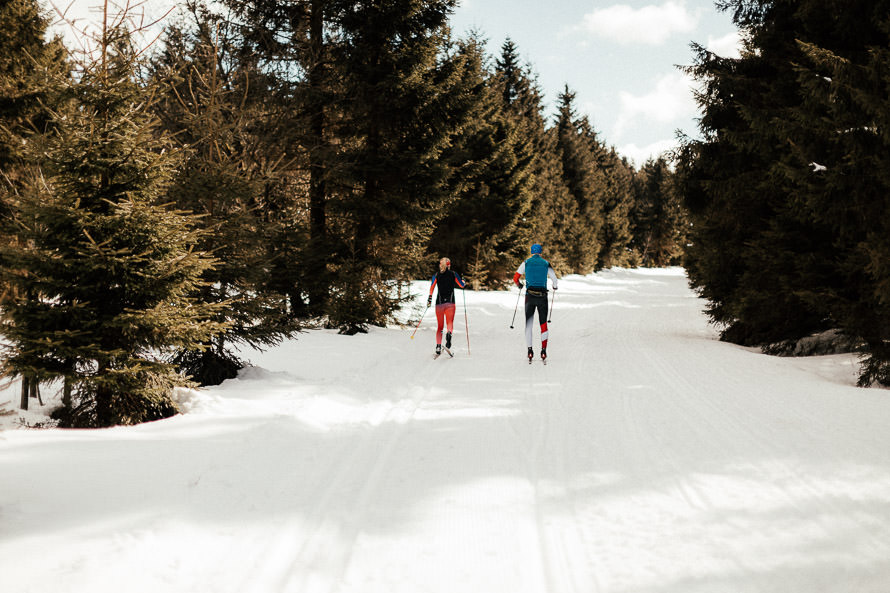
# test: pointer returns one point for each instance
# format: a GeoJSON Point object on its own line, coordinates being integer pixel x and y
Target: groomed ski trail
{"type": "Point", "coordinates": [645, 457]}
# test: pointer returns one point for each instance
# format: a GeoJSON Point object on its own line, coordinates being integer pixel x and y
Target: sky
{"type": "Point", "coordinates": [619, 57]}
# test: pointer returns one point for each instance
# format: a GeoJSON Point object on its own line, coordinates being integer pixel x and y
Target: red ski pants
{"type": "Point", "coordinates": [444, 315]}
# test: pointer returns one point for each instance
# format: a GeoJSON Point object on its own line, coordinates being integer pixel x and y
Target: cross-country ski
{"type": "Point", "coordinates": [445, 351]}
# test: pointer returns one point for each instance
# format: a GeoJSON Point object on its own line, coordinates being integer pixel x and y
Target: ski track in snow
{"type": "Point", "coordinates": [327, 541]}
{"type": "Point", "coordinates": [646, 457]}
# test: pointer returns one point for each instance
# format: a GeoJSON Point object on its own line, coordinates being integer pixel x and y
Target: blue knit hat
{"type": "Point", "coordinates": [536, 248]}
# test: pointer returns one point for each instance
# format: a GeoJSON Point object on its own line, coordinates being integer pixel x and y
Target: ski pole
{"type": "Point", "coordinates": [516, 308]}
{"type": "Point", "coordinates": [552, 300]}
{"type": "Point", "coordinates": [418, 322]}
{"type": "Point", "coordinates": [466, 322]}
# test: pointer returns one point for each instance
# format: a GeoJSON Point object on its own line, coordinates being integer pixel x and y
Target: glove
{"type": "Point", "coordinates": [520, 285]}
{"type": "Point", "coordinates": [429, 301]}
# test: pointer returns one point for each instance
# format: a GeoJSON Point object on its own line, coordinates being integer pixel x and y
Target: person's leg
{"type": "Point", "coordinates": [440, 319]}
{"type": "Point", "coordinates": [529, 320]}
{"type": "Point", "coordinates": [542, 319]}
{"type": "Point", "coordinates": [450, 308]}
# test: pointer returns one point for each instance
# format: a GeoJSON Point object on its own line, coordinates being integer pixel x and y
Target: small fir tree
{"type": "Point", "coordinates": [212, 104]}
{"type": "Point", "coordinates": [104, 272]}
{"type": "Point", "coordinates": [28, 62]}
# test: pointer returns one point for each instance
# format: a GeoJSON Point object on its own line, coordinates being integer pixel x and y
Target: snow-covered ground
{"type": "Point", "coordinates": [646, 457]}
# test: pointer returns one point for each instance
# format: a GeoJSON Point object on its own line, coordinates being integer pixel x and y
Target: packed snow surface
{"type": "Point", "coordinates": [645, 457]}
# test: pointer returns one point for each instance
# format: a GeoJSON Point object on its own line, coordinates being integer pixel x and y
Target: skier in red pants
{"type": "Point", "coordinates": [445, 280]}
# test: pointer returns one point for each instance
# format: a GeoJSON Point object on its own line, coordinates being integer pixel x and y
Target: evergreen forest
{"type": "Point", "coordinates": [265, 167]}
{"type": "Point", "coordinates": [787, 189]}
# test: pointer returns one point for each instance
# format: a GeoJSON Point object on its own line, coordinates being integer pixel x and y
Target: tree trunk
{"type": "Point", "coordinates": [318, 283]}
{"type": "Point", "coordinates": [103, 406]}
{"type": "Point", "coordinates": [103, 397]}
{"type": "Point", "coordinates": [26, 392]}
{"type": "Point", "coordinates": [35, 391]}
{"type": "Point", "coordinates": [66, 394]}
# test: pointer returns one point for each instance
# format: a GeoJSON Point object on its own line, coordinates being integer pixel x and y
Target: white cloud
{"type": "Point", "coordinates": [728, 46]}
{"type": "Point", "coordinates": [651, 25]}
{"type": "Point", "coordinates": [640, 154]}
{"type": "Point", "coordinates": [671, 100]}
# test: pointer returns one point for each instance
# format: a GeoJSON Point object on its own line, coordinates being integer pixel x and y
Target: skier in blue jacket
{"type": "Point", "coordinates": [536, 270]}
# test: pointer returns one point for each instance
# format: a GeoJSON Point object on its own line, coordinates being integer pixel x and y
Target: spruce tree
{"type": "Point", "coordinates": [735, 193]}
{"type": "Point", "coordinates": [782, 190]}
{"type": "Point", "coordinates": [103, 271]}
{"type": "Point", "coordinates": [552, 215]}
{"type": "Point", "coordinates": [517, 89]}
{"type": "Point", "coordinates": [396, 117]}
{"type": "Point", "coordinates": [368, 111]}
{"type": "Point", "coordinates": [584, 179]}
{"type": "Point", "coordinates": [658, 217]}
{"type": "Point", "coordinates": [294, 44]}
{"type": "Point", "coordinates": [836, 170]}
{"type": "Point", "coordinates": [215, 106]}
{"type": "Point", "coordinates": [28, 63]}
{"type": "Point", "coordinates": [616, 198]}
{"type": "Point", "coordinates": [485, 225]}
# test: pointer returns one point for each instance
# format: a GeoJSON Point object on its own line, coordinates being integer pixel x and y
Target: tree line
{"type": "Point", "coordinates": [269, 166]}
{"type": "Point", "coordinates": [788, 188]}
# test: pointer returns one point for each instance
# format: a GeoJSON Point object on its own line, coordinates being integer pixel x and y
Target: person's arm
{"type": "Point", "coordinates": [519, 272]}
{"type": "Point", "coordinates": [429, 300]}
{"type": "Point", "coordinates": [552, 275]}
{"type": "Point", "coordinates": [457, 280]}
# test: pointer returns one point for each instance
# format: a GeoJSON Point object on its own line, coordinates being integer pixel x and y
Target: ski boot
{"type": "Point", "coordinates": [438, 350]}
{"type": "Point", "coordinates": [544, 355]}
{"type": "Point", "coordinates": [531, 355]}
